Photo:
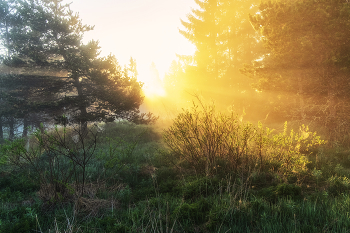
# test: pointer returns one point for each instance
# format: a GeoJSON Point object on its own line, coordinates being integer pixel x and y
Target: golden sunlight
{"type": "Point", "coordinates": [154, 91]}
{"type": "Point", "coordinates": [144, 30]}
{"type": "Point", "coordinates": [153, 85]}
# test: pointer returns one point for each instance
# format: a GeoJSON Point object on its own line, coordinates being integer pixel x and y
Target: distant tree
{"type": "Point", "coordinates": [131, 69]}
{"type": "Point", "coordinates": [307, 57]}
{"type": "Point", "coordinates": [47, 35]}
{"type": "Point", "coordinates": [224, 41]}
{"type": "Point", "coordinates": [174, 78]}
{"type": "Point", "coordinates": [223, 36]}
{"type": "Point", "coordinates": [179, 81]}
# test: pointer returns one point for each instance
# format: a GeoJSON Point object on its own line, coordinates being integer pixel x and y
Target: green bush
{"type": "Point", "coordinates": [18, 181]}
{"type": "Point", "coordinates": [18, 220]}
{"type": "Point", "coordinates": [262, 179]}
{"type": "Point", "coordinates": [212, 141]}
{"type": "Point", "coordinates": [259, 205]}
{"type": "Point", "coordinates": [338, 185]}
{"type": "Point", "coordinates": [269, 194]}
{"type": "Point", "coordinates": [272, 193]}
{"type": "Point", "coordinates": [288, 190]}
{"type": "Point", "coordinates": [200, 187]}
{"type": "Point", "coordinates": [196, 212]}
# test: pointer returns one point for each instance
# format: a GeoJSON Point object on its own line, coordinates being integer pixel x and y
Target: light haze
{"type": "Point", "coordinates": [146, 30]}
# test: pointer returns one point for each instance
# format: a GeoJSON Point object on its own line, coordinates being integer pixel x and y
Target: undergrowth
{"type": "Point", "coordinates": [211, 173]}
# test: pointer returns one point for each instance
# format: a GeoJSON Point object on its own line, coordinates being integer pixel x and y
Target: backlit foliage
{"type": "Point", "coordinates": [212, 141]}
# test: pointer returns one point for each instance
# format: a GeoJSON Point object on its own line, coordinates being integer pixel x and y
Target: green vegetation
{"type": "Point", "coordinates": [122, 177]}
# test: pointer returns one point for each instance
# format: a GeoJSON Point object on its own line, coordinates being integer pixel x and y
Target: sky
{"type": "Point", "coordinates": [146, 30]}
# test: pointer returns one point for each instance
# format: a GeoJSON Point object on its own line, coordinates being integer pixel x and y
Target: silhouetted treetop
{"type": "Point", "coordinates": [47, 35]}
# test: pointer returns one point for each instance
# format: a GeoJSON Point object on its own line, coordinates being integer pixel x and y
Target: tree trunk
{"type": "Point", "coordinates": [1, 131]}
{"type": "Point", "coordinates": [12, 128]}
{"type": "Point", "coordinates": [82, 107]}
{"type": "Point", "coordinates": [25, 127]}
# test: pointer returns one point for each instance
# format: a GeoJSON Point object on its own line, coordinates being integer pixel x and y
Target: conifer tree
{"type": "Point", "coordinates": [47, 36]}
{"type": "Point", "coordinates": [224, 41]}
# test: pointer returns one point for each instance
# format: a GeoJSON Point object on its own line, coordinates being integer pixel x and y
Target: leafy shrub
{"type": "Point", "coordinates": [272, 193]}
{"type": "Point", "coordinates": [204, 138]}
{"type": "Point", "coordinates": [259, 205]}
{"type": "Point", "coordinates": [269, 194]}
{"type": "Point", "coordinates": [8, 195]}
{"type": "Point", "coordinates": [340, 171]}
{"type": "Point", "coordinates": [197, 211]}
{"type": "Point", "coordinates": [18, 220]}
{"type": "Point", "coordinates": [165, 173]}
{"type": "Point", "coordinates": [167, 180]}
{"type": "Point", "coordinates": [261, 179]}
{"type": "Point", "coordinates": [18, 181]}
{"type": "Point", "coordinates": [338, 185]}
{"type": "Point", "coordinates": [145, 189]}
{"type": "Point", "coordinates": [21, 226]}
{"type": "Point", "coordinates": [288, 190]}
{"type": "Point", "coordinates": [201, 187]}
{"type": "Point", "coordinates": [318, 195]}
{"type": "Point", "coordinates": [124, 195]}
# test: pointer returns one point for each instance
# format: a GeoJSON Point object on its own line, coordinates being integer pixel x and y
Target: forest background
{"type": "Point", "coordinates": [275, 65]}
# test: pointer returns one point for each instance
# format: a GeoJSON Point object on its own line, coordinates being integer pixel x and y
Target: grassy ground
{"type": "Point", "coordinates": [134, 184]}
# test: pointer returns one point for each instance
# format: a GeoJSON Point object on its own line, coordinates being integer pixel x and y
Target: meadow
{"type": "Point", "coordinates": [209, 171]}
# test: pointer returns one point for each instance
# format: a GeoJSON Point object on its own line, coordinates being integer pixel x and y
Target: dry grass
{"type": "Point", "coordinates": [148, 170]}
{"type": "Point", "coordinates": [88, 204]}
{"type": "Point", "coordinates": [93, 207]}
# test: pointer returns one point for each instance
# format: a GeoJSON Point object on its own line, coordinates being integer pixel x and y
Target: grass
{"type": "Point", "coordinates": [134, 183]}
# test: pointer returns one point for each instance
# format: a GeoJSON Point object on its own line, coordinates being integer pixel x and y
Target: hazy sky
{"type": "Point", "coordinates": [147, 30]}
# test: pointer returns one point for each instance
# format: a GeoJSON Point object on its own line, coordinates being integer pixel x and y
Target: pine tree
{"type": "Point", "coordinates": [224, 40]}
{"type": "Point", "coordinates": [47, 35]}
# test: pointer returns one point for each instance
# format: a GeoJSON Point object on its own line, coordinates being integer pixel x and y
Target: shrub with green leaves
{"type": "Point", "coordinates": [338, 185]}
{"type": "Point", "coordinates": [211, 141]}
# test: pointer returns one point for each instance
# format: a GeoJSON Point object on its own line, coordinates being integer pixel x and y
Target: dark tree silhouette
{"type": "Point", "coordinates": [44, 42]}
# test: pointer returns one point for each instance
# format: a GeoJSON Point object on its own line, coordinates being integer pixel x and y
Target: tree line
{"type": "Point", "coordinates": [288, 59]}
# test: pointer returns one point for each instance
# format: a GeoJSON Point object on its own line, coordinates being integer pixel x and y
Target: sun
{"type": "Point", "coordinates": [153, 85]}
{"type": "Point", "coordinates": [152, 92]}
